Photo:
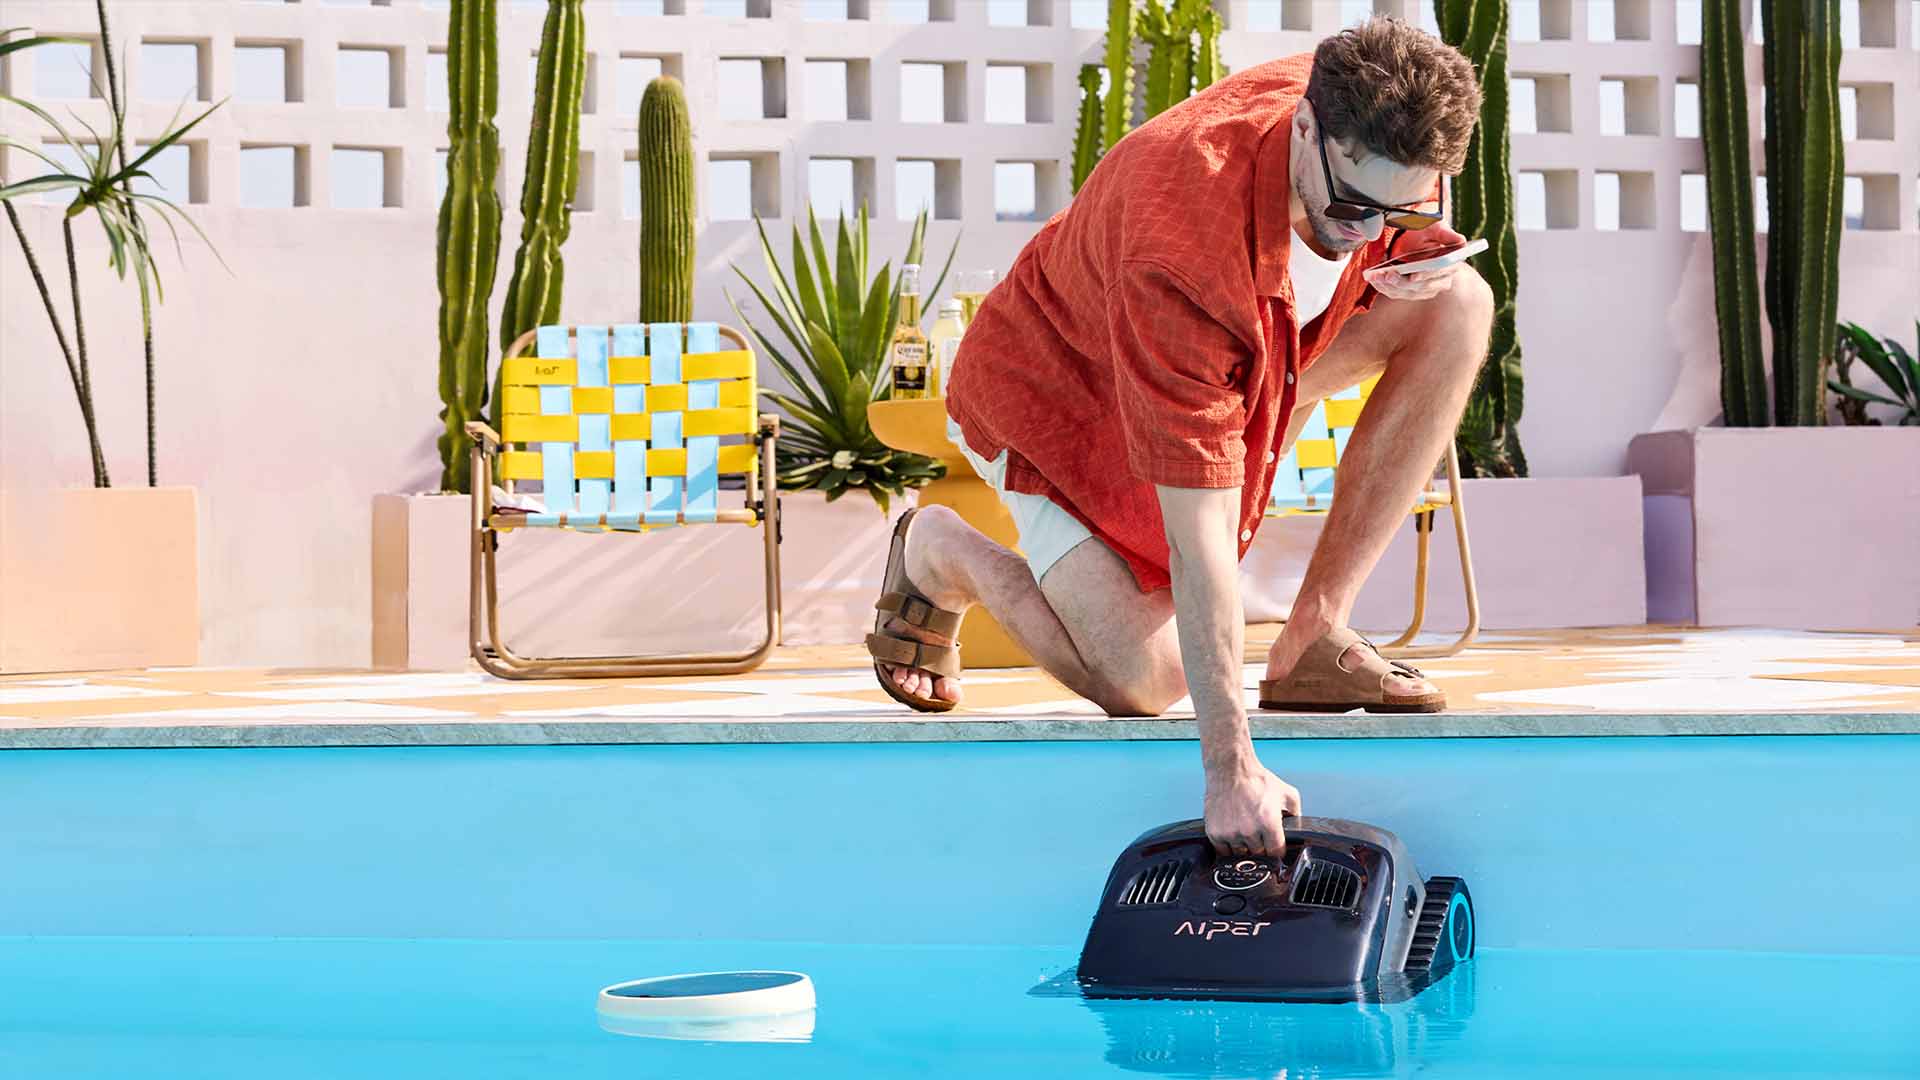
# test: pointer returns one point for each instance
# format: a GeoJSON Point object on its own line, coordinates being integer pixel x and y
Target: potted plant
{"type": "Point", "coordinates": [1735, 512]}
{"type": "Point", "coordinates": [98, 577]}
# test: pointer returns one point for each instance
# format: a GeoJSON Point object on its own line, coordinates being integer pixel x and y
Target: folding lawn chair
{"type": "Point", "coordinates": [1304, 484]}
{"type": "Point", "coordinates": [627, 432]}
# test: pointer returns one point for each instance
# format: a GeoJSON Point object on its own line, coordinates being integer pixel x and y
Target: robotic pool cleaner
{"type": "Point", "coordinates": [1342, 916]}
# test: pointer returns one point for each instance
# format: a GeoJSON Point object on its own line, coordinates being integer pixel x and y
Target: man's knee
{"type": "Point", "coordinates": [1147, 693]}
{"type": "Point", "coordinates": [1471, 298]}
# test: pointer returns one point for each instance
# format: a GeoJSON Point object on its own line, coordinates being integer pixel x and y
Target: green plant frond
{"type": "Point", "coordinates": [171, 137]}
{"type": "Point", "coordinates": [1873, 353]}
{"type": "Point", "coordinates": [822, 271]}
{"type": "Point", "coordinates": [811, 309]}
{"type": "Point", "coordinates": [846, 287]}
{"type": "Point", "coordinates": [789, 329]}
{"type": "Point", "coordinates": [828, 364]}
{"type": "Point", "coordinates": [39, 184]}
{"type": "Point", "coordinates": [778, 280]}
{"type": "Point", "coordinates": [1863, 395]}
{"type": "Point", "coordinates": [873, 326]}
{"type": "Point", "coordinates": [941, 280]}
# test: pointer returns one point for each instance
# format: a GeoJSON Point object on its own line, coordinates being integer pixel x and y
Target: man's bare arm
{"type": "Point", "coordinates": [1244, 802]}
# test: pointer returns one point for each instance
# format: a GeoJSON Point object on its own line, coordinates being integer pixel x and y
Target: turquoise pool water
{"type": "Point", "coordinates": [1646, 907]}
{"type": "Point", "coordinates": [210, 1010]}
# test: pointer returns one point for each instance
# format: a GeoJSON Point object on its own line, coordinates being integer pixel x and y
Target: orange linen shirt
{"type": "Point", "coordinates": [1146, 334]}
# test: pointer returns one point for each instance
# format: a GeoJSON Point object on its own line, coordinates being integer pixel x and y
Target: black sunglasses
{"type": "Point", "coordinates": [1357, 210]}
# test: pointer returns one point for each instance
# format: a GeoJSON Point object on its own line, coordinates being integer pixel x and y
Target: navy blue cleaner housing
{"type": "Point", "coordinates": [1343, 915]}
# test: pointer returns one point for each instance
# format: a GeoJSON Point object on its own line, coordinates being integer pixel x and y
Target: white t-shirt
{"type": "Point", "coordinates": [1315, 280]}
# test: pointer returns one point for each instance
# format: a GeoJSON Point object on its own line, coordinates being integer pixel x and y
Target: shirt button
{"type": "Point", "coordinates": [1246, 535]}
{"type": "Point", "coordinates": [1289, 378]}
{"type": "Point", "coordinates": [1269, 457]}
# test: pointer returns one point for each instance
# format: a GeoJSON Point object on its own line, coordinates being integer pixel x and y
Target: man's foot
{"type": "Point", "coordinates": [1339, 671]}
{"type": "Point", "coordinates": [934, 532]}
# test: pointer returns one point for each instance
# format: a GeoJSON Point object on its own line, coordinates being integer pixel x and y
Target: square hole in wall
{"type": "Point", "coordinates": [174, 71]}
{"type": "Point", "coordinates": [1623, 200]}
{"type": "Point", "coordinates": [1354, 12]}
{"type": "Point", "coordinates": [366, 77]}
{"type": "Point", "coordinates": [740, 9]}
{"type": "Point", "coordinates": [920, 11]}
{"type": "Point", "coordinates": [742, 184]}
{"type": "Point", "coordinates": [1269, 16]}
{"type": "Point", "coordinates": [1546, 199]}
{"type": "Point", "coordinates": [274, 176]}
{"type": "Point", "coordinates": [1871, 201]}
{"type": "Point", "coordinates": [1619, 20]}
{"type": "Point", "coordinates": [632, 74]}
{"type": "Point", "coordinates": [1551, 96]}
{"type": "Point", "coordinates": [365, 177]}
{"type": "Point", "coordinates": [589, 93]}
{"type": "Point", "coordinates": [1866, 110]}
{"type": "Point", "coordinates": [839, 90]}
{"type": "Point", "coordinates": [268, 72]}
{"type": "Point", "coordinates": [644, 7]}
{"type": "Point", "coordinates": [630, 185]}
{"type": "Point", "coordinates": [1693, 202]}
{"type": "Point", "coordinates": [1540, 20]}
{"type": "Point", "coordinates": [836, 10]}
{"type": "Point", "coordinates": [753, 87]}
{"type": "Point", "coordinates": [177, 173]}
{"type": "Point", "coordinates": [1019, 12]}
{"type": "Point", "coordinates": [437, 92]}
{"type": "Point", "coordinates": [1019, 93]}
{"type": "Point", "coordinates": [1087, 14]}
{"type": "Point", "coordinates": [63, 70]}
{"type": "Point", "coordinates": [920, 184]}
{"type": "Point", "coordinates": [837, 186]}
{"type": "Point", "coordinates": [933, 93]}
{"type": "Point", "coordinates": [1025, 190]}
{"type": "Point", "coordinates": [1686, 110]}
{"type": "Point", "coordinates": [69, 159]}
{"type": "Point", "coordinates": [584, 185]}
{"type": "Point", "coordinates": [1867, 24]}
{"type": "Point", "coordinates": [1760, 203]}
{"type": "Point", "coordinates": [1686, 22]}
{"type": "Point", "coordinates": [1630, 106]}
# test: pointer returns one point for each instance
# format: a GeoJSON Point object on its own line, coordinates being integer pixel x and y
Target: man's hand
{"type": "Point", "coordinates": [1395, 285]}
{"type": "Point", "coordinates": [1244, 808]}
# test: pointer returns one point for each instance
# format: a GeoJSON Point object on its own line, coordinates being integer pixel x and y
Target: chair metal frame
{"type": "Point", "coordinates": [490, 649]}
{"type": "Point", "coordinates": [1427, 504]}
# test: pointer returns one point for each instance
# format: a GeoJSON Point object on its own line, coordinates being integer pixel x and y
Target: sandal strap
{"type": "Point", "coordinates": [919, 611]}
{"type": "Point", "coordinates": [918, 655]}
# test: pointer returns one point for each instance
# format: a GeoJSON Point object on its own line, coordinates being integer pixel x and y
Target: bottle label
{"type": "Point", "coordinates": [909, 369]}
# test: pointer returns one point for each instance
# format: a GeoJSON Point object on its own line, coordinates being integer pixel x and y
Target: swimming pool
{"type": "Point", "coordinates": [1678, 906]}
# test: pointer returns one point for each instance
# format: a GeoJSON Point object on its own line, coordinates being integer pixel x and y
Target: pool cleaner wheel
{"type": "Point", "coordinates": [1444, 935]}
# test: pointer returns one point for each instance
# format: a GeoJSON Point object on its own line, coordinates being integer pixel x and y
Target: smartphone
{"type": "Point", "coordinates": [1425, 259]}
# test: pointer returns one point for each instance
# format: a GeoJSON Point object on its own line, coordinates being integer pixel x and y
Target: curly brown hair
{"type": "Point", "coordinates": [1397, 91]}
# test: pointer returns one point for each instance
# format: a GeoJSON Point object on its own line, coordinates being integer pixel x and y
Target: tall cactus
{"type": "Point", "coordinates": [1805, 167]}
{"type": "Point", "coordinates": [467, 247]}
{"type": "Point", "coordinates": [1156, 29]}
{"type": "Point", "coordinates": [1207, 69]}
{"type": "Point", "coordinates": [1489, 435]}
{"type": "Point", "coordinates": [1117, 108]}
{"type": "Point", "coordinates": [1736, 291]}
{"type": "Point", "coordinates": [666, 204]}
{"type": "Point", "coordinates": [553, 160]}
{"type": "Point", "coordinates": [1086, 136]}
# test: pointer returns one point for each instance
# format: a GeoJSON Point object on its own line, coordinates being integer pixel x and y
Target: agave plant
{"type": "Point", "coordinates": [836, 323]}
{"type": "Point", "coordinates": [105, 190]}
{"type": "Point", "coordinates": [1890, 361]}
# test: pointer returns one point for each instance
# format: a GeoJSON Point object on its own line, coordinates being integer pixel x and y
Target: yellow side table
{"type": "Point", "coordinates": [920, 427]}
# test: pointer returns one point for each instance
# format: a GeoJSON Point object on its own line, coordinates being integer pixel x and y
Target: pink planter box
{"type": "Point", "coordinates": [1804, 528]}
{"type": "Point", "coordinates": [1546, 552]}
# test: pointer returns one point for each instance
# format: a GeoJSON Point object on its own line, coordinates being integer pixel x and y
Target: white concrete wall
{"type": "Point", "coordinates": [300, 380]}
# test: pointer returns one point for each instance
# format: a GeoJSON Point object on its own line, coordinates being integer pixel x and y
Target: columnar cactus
{"type": "Point", "coordinates": [1736, 291]}
{"type": "Point", "coordinates": [1156, 29]}
{"type": "Point", "coordinates": [1117, 108]}
{"type": "Point", "coordinates": [1207, 68]}
{"type": "Point", "coordinates": [1805, 171]}
{"type": "Point", "coordinates": [666, 204]}
{"type": "Point", "coordinates": [553, 160]}
{"type": "Point", "coordinates": [1086, 137]}
{"type": "Point", "coordinates": [1489, 435]}
{"type": "Point", "coordinates": [468, 235]}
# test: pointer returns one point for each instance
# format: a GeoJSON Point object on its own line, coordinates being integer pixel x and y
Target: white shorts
{"type": "Point", "coordinates": [1047, 532]}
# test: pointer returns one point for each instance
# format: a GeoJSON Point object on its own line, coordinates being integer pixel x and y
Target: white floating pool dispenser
{"type": "Point", "coordinates": [714, 1006]}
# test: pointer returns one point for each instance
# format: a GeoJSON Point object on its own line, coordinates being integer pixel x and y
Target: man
{"type": "Point", "coordinates": [1131, 385]}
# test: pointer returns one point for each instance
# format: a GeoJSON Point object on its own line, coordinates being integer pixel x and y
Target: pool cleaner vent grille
{"type": "Point", "coordinates": [1327, 885]}
{"type": "Point", "coordinates": [1157, 884]}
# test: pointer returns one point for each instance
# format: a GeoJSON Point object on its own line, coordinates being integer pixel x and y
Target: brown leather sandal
{"type": "Point", "coordinates": [901, 599]}
{"type": "Point", "coordinates": [1321, 683]}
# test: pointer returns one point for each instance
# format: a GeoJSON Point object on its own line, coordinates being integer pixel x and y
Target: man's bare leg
{"type": "Point", "coordinates": [1088, 625]}
{"type": "Point", "coordinates": [1428, 352]}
